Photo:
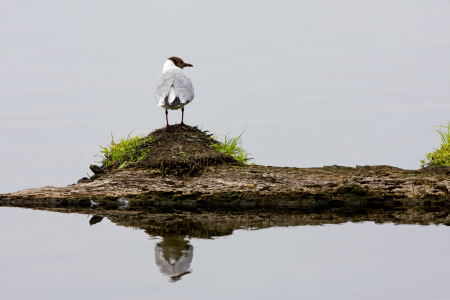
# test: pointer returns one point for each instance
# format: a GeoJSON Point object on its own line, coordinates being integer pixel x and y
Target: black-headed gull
{"type": "Point", "coordinates": [173, 88]}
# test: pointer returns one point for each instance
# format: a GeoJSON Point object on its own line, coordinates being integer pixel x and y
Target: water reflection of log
{"type": "Point", "coordinates": [208, 222]}
{"type": "Point", "coordinates": [95, 219]}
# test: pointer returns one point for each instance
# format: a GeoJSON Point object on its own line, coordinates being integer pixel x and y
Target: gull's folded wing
{"type": "Point", "coordinates": [163, 85]}
{"type": "Point", "coordinates": [184, 88]}
{"type": "Point", "coordinates": [176, 78]}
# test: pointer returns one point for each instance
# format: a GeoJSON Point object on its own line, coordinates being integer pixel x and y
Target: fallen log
{"type": "Point", "coordinates": [248, 185]}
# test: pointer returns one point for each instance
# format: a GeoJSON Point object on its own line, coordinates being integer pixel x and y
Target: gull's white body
{"type": "Point", "coordinates": [173, 84]}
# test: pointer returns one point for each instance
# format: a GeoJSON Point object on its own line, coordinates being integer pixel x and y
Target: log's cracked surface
{"type": "Point", "coordinates": [254, 184]}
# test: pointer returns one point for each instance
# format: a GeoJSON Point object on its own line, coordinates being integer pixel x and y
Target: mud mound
{"type": "Point", "coordinates": [177, 149]}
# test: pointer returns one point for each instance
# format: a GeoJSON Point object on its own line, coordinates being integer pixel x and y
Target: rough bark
{"type": "Point", "coordinates": [252, 185]}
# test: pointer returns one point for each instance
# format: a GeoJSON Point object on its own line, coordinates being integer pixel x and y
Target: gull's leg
{"type": "Point", "coordinates": [167, 119]}
{"type": "Point", "coordinates": [182, 116]}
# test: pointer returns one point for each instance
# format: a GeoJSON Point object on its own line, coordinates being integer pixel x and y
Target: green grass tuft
{"type": "Point", "coordinates": [233, 147]}
{"type": "Point", "coordinates": [130, 150]}
{"type": "Point", "coordinates": [440, 156]}
{"type": "Point", "coordinates": [125, 151]}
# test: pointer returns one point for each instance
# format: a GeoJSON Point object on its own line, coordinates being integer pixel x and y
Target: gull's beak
{"type": "Point", "coordinates": [188, 65]}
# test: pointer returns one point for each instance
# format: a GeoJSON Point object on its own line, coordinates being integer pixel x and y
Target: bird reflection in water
{"type": "Point", "coordinates": [173, 256]}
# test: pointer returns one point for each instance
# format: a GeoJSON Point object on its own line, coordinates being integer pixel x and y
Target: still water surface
{"type": "Point", "coordinates": [49, 255]}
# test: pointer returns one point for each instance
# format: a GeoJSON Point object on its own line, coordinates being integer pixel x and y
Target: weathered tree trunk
{"type": "Point", "coordinates": [253, 185]}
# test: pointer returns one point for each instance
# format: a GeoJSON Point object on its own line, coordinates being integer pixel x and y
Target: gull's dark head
{"type": "Point", "coordinates": [179, 62]}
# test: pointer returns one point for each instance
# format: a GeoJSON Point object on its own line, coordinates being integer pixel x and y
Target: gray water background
{"type": "Point", "coordinates": [48, 255]}
{"type": "Point", "coordinates": [313, 82]}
